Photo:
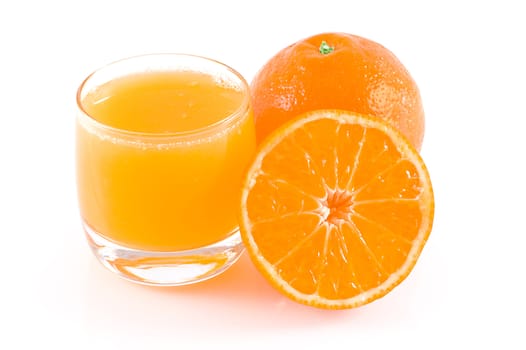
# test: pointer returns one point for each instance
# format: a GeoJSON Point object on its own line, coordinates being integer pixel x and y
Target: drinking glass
{"type": "Point", "coordinates": [162, 142]}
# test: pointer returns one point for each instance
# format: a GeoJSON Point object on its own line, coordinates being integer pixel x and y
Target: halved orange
{"type": "Point", "coordinates": [336, 209]}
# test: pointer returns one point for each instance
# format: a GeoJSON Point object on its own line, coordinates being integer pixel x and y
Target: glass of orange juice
{"type": "Point", "coordinates": [162, 142]}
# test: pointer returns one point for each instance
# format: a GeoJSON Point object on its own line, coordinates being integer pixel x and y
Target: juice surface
{"type": "Point", "coordinates": [163, 102]}
{"type": "Point", "coordinates": [162, 193]}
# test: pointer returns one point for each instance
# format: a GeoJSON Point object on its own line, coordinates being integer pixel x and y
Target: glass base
{"type": "Point", "coordinates": [166, 268]}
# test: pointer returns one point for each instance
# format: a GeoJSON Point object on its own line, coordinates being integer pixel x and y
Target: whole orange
{"type": "Point", "coordinates": [337, 71]}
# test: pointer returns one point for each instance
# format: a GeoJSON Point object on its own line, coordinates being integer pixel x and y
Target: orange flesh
{"type": "Point", "coordinates": [163, 196]}
{"type": "Point", "coordinates": [337, 215]}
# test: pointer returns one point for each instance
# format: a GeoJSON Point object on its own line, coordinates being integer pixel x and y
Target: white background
{"type": "Point", "coordinates": [467, 289]}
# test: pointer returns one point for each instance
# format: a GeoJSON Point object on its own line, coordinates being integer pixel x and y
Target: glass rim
{"type": "Point", "coordinates": [219, 125]}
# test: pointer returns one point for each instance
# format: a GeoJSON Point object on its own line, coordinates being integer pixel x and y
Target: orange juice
{"type": "Point", "coordinates": [160, 158]}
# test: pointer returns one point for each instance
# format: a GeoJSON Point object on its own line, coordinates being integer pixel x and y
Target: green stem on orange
{"type": "Point", "coordinates": [325, 48]}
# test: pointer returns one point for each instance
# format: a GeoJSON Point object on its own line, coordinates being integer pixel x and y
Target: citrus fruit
{"type": "Point", "coordinates": [336, 208]}
{"type": "Point", "coordinates": [337, 71]}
